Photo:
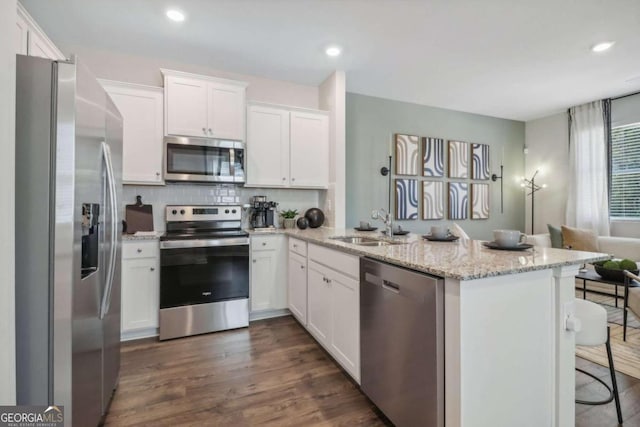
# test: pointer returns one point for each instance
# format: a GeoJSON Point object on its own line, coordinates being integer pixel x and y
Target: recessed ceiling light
{"type": "Point", "coordinates": [601, 47]}
{"type": "Point", "coordinates": [175, 15]}
{"type": "Point", "coordinates": [333, 50]}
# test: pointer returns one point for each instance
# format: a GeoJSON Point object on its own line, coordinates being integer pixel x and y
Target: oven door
{"type": "Point", "coordinates": [203, 160]}
{"type": "Point", "coordinates": [200, 275]}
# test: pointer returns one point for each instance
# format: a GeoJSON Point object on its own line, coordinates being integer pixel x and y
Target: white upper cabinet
{"type": "Point", "coordinates": [141, 109]}
{"type": "Point", "coordinates": [186, 107]}
{"type": "Point", "coordinates": [203, 106]}
{"type": "Point", "coordinates": [287, 147]}
{"type": "Point", "coordinates": [22, 32]}
{"type": "Point", "coordinates": [226, 106]}
{"type": "Point", "coordinates": [31, 40]}
{"type": "Point", "coordinates": [309, 150]}
{"type": "Point", "coordinates": [268, 147]}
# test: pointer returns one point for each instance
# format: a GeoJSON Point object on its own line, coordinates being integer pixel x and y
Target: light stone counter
{"type": "Point", "coordinates": [462, 259]}
{"type": "Point", "coordinates": [133, 237]}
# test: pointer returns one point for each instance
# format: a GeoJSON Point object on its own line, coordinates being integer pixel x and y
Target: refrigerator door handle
{"type": "Point", "coordinates": [106, 299]}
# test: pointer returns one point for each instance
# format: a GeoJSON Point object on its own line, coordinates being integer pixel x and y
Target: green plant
{"type": "Point", "coordinates": [289, 214]}
{"type": "Point", "coordinates": [627, 264]}
{"type": "Point", "coordinates": [612, 265]}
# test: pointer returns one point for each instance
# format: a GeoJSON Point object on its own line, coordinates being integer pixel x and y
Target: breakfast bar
{"type": "Point", "coordinates": [508, 349]}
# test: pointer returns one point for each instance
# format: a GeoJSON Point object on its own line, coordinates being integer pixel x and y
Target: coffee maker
{"type": "Point", "coordinates": [263, 212]}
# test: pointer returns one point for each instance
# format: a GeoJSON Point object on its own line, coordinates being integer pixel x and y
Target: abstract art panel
{"type": "Point", "coordinates": [479, 201]}
{"type": "Point", "coordinates": [458, 200]}
{"type": "Point", "coordinates": [480, 161]}
{"type": "Point", "coordinates": [406, 199]}
{"type": "Point", "coordinates": [407, 151]}
{"type": "Point", "coordinates": [433, 157]}
{"type": "Point", "coordinates": [458, 159]}
{"type": "Point", "coordinates": [432, 200]}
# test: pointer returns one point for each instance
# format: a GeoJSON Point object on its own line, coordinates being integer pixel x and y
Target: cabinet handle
{"type": "Point", "coordinates": [139, 250]}
{"type": "Point", "coordinates": [254, 261]}
{"type": "Point", "coordinates": [302, 267]}
{"type": "Point", "coordinates": [295, 246]}
{"type": "Point", "coordinates": [264, 243]}
{"type": "Point", "coordinates": [152, 269]}
{"type": "Point", "coordinates": [157, 173]}
{"type": "Point", "coordinates": [204, 130]}
{"type": "Point", "coordinates": [284, 178]}
{"type": "Point", "coordinates": [210, 131]}
{"type": "Point", "coordinates": [293, 179]}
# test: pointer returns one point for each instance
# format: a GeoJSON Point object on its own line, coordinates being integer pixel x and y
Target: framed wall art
{"type": "Point", "coordinates": [458, 200]}
{"type": "Point", "coordinates": [406, 199]}
{"type": "Point", "coordinates": [458, 159]}
{"type": "Point", "coordinates": [407, 153]}
{"type": "Point", "coordinates": [432, 200]}
{"type": "Point", "coordinates": [479, 201]}
{"type": "Point", "coordinates": [433, 157]}
{"type": "Point", "coordinates": [480, 161]}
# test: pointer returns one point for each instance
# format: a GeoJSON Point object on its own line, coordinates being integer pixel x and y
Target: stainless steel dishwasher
{"type": "Point", "coordinates": [402, 343]}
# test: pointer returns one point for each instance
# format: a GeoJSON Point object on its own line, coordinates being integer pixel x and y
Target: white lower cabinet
{"type": "Point", "coordinates": [298, 286]}
{"type": "Point", "coordinates": [333, 303]}
{"type": "Point", "coordinates": [140, 289]}
{"type": "Point", "coordinates": [268, 274]}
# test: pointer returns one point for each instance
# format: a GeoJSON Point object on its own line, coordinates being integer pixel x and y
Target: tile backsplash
{"type": "Point", "coordinates": [221, 194]}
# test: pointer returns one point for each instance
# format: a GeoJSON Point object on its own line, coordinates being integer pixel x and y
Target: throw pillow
{"type": "Point", "coordinates": [579, 239]}
{"type": "Point", "coordinates": [556, 236]}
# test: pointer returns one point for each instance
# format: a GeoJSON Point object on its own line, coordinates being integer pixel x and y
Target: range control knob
{"type": "Point", "coordinates": [226, 211]}
{"type": "Point", "coordinates": [181, 211]}
{"type": "Point", "coordinates": [233, 211]}
{"type": "Point", "coordinates": [174, 211]}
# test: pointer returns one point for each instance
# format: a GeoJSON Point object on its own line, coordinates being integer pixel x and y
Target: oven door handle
{"type": "Point", "coordinates": [203, 243]}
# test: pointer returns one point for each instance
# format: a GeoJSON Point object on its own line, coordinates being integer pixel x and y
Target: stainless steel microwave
{"type": "Point", "coordinates": [203, 160]}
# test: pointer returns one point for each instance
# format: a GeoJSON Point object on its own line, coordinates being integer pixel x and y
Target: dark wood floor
{"type": "Point", "coordinates": [274, 373]}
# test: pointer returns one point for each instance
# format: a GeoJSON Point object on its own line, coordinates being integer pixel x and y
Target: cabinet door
{"type": "Point", "coordinates": [298, 286]}
{"type": "Point", "coordinates": [140, 293]}
{"type": "Point", "coordinates": [22, 30]}
{"type": "Point", "coordinates": [142, 149]}
{"type": "Point", "coordinates": [345, 323]}
{"type": "Point", "coordinates": [226, 111]}
{"type": "Point", "coordinates": [186, 106]}
{"type": "Point", "coordinates": [263, 280]}
{"type": "Point", "coordinates": [309, 150]}
{"type": "Point", "coordinates": [268, 147]}
{"type": "Point", "coordinates": [319, 304]}
{"type": "Point", "coordinates": [41, 46]}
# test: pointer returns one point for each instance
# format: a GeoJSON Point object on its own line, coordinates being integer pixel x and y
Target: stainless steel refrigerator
{"type": "Point", "coordinates": [68, 241]}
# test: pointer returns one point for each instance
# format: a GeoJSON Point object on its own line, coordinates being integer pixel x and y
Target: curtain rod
{"type": "Point", "coordinates": [624, 96]}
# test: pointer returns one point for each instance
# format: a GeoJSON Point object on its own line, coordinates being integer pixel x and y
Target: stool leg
{"type": "Point", "coordinates": [624, 325]}
{"type": "Point", "coordinates": [614, 383]}
{"type": "Point", "coordinates": [616, 296]}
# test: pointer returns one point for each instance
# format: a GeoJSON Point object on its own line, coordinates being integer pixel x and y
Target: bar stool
{"type": "Point", "coordinates": [594, 332]}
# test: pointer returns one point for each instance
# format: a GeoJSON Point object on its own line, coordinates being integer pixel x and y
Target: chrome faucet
{"type": "Point", "coordinates": [386, 218]}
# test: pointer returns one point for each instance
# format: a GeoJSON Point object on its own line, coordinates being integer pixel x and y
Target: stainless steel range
{"type": "Point", "coordinates": [204, 271]}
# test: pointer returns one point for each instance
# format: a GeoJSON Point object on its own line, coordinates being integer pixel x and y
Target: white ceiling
{"type": "Point", "coordinates": [517, 59]}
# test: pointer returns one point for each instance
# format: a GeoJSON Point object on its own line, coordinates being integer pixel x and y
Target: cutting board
{"type": "Point", "coordinates": [139, 216]}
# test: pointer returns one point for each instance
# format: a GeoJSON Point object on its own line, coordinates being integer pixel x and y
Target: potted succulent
{"type": "Point", "coordinates": [289, 218]}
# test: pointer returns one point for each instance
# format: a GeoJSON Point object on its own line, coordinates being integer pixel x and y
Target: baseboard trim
{"type": "Point", "coordinates": [138, 334]}
{"type": "Point", "coordinates": [268, 314]}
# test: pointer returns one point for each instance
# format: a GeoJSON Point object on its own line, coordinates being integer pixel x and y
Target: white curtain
{"type": "Point", "coordinates": [588, 201]}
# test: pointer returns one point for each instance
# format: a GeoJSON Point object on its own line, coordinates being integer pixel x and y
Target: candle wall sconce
{"type": "Point", "coordinates": [494, 178]}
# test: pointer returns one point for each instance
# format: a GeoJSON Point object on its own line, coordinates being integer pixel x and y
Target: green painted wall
{"type": "Point", "coordinates": [371, 124]}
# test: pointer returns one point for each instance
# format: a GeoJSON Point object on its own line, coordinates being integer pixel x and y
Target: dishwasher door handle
{"type": "Point", "coordinates": [390, 286]}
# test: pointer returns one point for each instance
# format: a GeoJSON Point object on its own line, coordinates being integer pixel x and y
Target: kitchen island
{"type": "Point", "coordinates": [508, 356]}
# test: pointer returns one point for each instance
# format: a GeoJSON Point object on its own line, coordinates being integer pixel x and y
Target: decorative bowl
{"type": "Point", "coordinates": [609, 274]}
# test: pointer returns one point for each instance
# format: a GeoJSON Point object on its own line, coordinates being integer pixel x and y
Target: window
{"type": "Point", "coordinates": [624, 202]}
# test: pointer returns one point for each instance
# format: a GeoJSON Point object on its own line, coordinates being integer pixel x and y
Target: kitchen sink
{"type": "Point", "coordinates": [366, 241]}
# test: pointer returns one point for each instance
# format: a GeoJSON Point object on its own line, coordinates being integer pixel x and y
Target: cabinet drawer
{"type": "Point", "coordinates": [264, 243]}
{"type": "Point", "coordinates": [338, 261]}
{"type": "Point", "coordinates": [137, 249]}
{"type": "Point", "coordinates": [298, 246]}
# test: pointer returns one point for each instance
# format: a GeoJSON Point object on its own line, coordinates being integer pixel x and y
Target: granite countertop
{"type": "Point", "coordinates": [133, 237]}
{"type": "Point", "coordinates": [462, 259]}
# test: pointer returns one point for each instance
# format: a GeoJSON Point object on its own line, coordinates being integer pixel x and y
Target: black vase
{"type": "Point", "coordinates": [302, 223]}
{"type": "Point", "coordinates": [315, 217]}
